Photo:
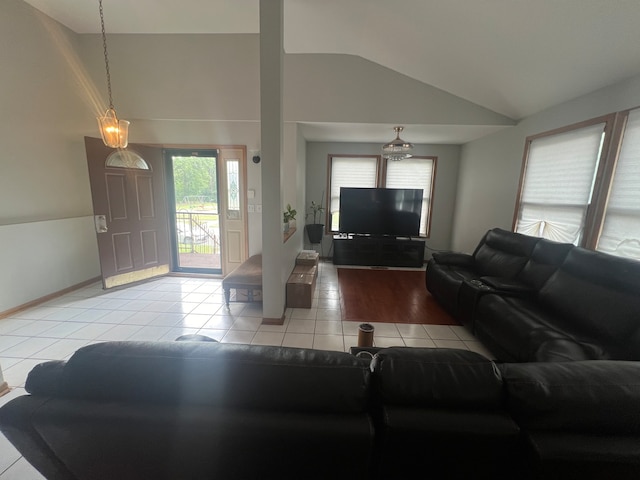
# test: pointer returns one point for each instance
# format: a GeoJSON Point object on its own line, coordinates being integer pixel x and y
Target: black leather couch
{"type": "Point", "coordinates": [133, 410]}
{"type": "Point", "coordinates": [533, 300]}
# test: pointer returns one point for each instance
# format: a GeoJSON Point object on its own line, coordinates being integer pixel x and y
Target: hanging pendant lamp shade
{"type": "Point", "coordinates": [397, 149]}
{"type": "Point", "coordinates": [114, 132]}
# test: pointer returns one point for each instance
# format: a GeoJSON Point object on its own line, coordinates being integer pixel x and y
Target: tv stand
{"type": "Point", "coordinates": [383, 251]}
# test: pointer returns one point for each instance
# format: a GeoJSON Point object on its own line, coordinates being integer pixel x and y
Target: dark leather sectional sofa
{"type": "Point", "coordinates": [533, 300]}
{"type": "Point", "coordinates": [203, 410]}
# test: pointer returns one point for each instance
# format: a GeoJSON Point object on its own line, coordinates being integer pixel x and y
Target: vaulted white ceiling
{"type": "Point", "coordinates": [515, 57]}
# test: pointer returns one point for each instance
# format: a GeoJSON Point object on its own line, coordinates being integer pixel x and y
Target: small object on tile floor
{"type": "Point", "coordinates": [365, 335]}
{"type": "Point", "coordinates": [192, 337]}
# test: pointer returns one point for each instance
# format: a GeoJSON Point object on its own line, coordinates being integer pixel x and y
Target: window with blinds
{"type": "Point", "coordinates": [416, 173]}
{"type": "Point", "coordinates": [558, 183]}
{"type": "Point", "coordinates": [369, 172]}
{"type": "Point", "coordinates": [354, 171]}
{"type": "Point", "coordinates": [620, 233]}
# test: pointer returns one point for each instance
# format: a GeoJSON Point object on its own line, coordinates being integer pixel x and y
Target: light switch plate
{"type": "Point", "coordinates": [251, 208]}
{"type": "Point", "coordinates": [258, 208]}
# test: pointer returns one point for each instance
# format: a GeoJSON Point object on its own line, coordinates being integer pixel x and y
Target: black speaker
{"type": "Point", "coordinates": [256, 159]}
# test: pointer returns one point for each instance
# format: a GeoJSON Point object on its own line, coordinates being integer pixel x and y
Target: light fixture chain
{"type": "Point", "coordinates": [106, 56]}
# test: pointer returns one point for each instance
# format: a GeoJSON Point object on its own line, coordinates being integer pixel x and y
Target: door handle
{"type": "Point", "coordinates": [101, 223]}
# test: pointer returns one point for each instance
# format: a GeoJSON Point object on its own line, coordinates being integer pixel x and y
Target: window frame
{"type": "Point", "coordinates": [613, 139]}
{"type": "Point", "coordinates": [380, 182]}
{"type": "Point", "coordinates": [591, 207]}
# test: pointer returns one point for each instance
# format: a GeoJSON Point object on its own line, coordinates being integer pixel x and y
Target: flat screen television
{"type": "Point", "coordinates": [380, 211]}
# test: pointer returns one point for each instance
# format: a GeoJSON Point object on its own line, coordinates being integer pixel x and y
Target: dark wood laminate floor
{"type": "Point", "coordinates": [386, 295]}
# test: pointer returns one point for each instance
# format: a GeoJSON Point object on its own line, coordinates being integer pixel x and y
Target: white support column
{"type": "Point", "coordinates": [271, 73]}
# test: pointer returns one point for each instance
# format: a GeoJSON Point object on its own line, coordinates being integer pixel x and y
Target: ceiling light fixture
{"type": "Point", "coordinates": [115, 133]}
{"type": "Point", "coordinates": [397, 149]}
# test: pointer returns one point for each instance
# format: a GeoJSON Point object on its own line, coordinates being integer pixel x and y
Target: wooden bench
{"type": "Point", "coordinates": [248, 276]}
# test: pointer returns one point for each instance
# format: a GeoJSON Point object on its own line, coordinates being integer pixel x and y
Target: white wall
{"type": "Point", "coordinates": [444, 194]}
{"type": "Point", "coordinates": [46, 233]}
{"type": "Point", "coordinates": [490, 167]}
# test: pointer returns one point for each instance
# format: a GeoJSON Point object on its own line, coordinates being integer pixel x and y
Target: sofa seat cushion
{"type": "Point", "coordinates": [598, 396]}
{"type": "Point", "coordinates": [562, 455]}
{"type": "Point", "coordinates": [123, 440]}
{"type": "Point", "coordinates": [527, 333]}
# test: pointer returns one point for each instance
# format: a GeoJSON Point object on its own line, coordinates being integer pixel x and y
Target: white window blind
{"type": "Point", "coordinates": [349, 172]}
{"type": "Point", "coordinates": [558, 184]}
{"type": "Point", "coordinates": [413, 173]}
{"type": "Point", "coordinates": [621, 229]}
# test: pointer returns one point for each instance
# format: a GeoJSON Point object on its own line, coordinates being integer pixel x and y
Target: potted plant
{"type": "Point", "coordinates": [289, 218]}
{"type": "Point", "coordinates": [315, 229]}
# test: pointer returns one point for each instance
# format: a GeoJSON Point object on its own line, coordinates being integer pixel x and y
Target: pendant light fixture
{"type": "Point", "coordinates": [114, 132]}
{"type": "Point", "coordinates": [397, 149]}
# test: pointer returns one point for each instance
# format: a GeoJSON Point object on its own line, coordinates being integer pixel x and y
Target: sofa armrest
{"type": "Point", "coordinates": [454, 259]}
{"type": "Point", "coordinates": [508, 285]}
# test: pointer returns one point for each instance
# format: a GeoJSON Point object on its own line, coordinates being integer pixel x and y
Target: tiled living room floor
{"type": "Point", "coordinates": [166, 308]}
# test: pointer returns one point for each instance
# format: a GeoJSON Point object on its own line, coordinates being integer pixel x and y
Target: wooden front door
{"type": "Point", "coordinates": [130, 209]}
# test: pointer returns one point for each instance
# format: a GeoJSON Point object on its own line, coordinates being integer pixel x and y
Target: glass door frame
{"type": "Point", "coordinates": [168, 154]}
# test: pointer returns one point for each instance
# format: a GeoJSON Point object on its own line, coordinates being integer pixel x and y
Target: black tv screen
{"type": "Point", "coordinates": [380, 211]}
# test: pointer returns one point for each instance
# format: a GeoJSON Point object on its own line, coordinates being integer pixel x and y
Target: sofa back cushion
{"type": "Point", "coordinates": [213, 374]}
{"type": "Point", "coordinates": [546, 258]}
{"type": "Point", "coordinates": [597, 295]}
{"type": "Point", "coordinates": [436, 378]}
{"type": "Point", "coordinates": [502, 253]}
{"type": "Point", "coordinates": [588, 396]}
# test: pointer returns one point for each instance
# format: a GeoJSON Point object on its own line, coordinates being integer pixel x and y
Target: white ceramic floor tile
{"type": "Point", "coordinates": [247, 323]}
{"type": "Point", "coordinates": [8, 325]}
{"type": "Point", "coordinates": [7, 342]}
{"type": "Point", "coordinates": [462, 332]}
{"type": "Point", "coordinates": [28, 348]}
{"type": "Point", "coordinates": [419, 342]}
{"type": "Point", "coordinates": [149, 334]}
{"type": "Point", "coordinates": [329, 314]}
{"type": "Point", "coordinates": [195, 320]}
{"type": "Point", "coordinates": [119, 333]}
{"type": "Point", "coordinates": [440, 332]}
{"type": "Point", "coordinates": [328, 342]}
{"type": "Point", "coordinates": [140, 318]}
{"type": "Point", "coordinates": [350, 328]}
{"type": "Point", "coordinates": [219, 322]}
{"type": "Point", "coordinates": [92, 315]}
{"type": "Point", "coordinates": [209, 309]}
{"type": "Point", "coordinates": [304, 313]}
{"type": "Point", "coordinates": [412, 331]}
{"type": "Point", "coordinates": [175, 332]}
{"type": "Point", "coordinates": [298, 340]}
{"type": "Point", "coordinates": [301, 326]}
{"type": "Point", "coordinates": [60, 349]}
{"type": "Point", "coordinates": [386, 330]}
{"type": "Point", "coordinates": [21, 470]}
{"type": "Point", "coordinates": [386, 342]}
{"type": "Point", "coordinates": [328, 327]}
{"type": "Point", "coordinates": [451, 344]}
{"type": "Point", "coordinates": [332, 303]}
{"type": "Point", "coordinates": [238, 336]}
{"type": "Point", "coordinates": [116, 316]}
{"type": "Point", "coordinates": [65, 329]}
{"type": "Point", "coordinates": [91, 331]}
{"type": "Point", "coordinates": [268, 338]}
{"type": "Point", "coordinates": [36, 328]}
{"type": "Point", "coordinates": [166, 320]}
{"type": "Point", "coordinates": [216, 334]}
{"type": "Point", "coordinates": [17, 375]}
